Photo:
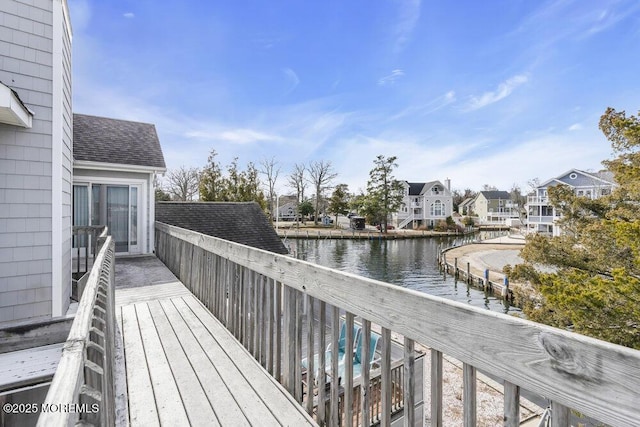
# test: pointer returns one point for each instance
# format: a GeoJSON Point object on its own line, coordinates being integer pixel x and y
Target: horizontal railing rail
{"type": "Point", "coordinates": [82, 389]}
{"type": "Point", "coordinates": [261, 297]}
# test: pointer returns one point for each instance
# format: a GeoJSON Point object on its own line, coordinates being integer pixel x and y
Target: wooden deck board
{"type": "Point", "coordinates": [142, 405]}
{"type": "Point", "coordinates": [30, 366]}
{"type": "Point", "coordinates": [184, 368]}
{"type": "Point", "coordinates": [225, 359]}
{"type": "Point", "coordinates": [226, 408]}
{"type": "Point", "coordinates": [150, 292]}
{"type": "Point", "coordinates": [275, 398]}
{"type": "Point", "coordinates": [197, 405]}
{"type": "Point", "coordinates": [169, 402]}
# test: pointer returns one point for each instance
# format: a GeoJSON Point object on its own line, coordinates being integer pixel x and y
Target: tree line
{"type": "Point", "coordinates": [215, 183]}
{"type": "Point", "coordinates": [594, 288]}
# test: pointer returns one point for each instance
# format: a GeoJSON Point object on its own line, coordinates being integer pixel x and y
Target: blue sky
{"type": "Point", "coordinates": [482, 92]}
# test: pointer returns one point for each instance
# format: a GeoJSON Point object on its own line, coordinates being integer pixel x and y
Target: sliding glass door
{"type": "Point", "coordinates": [115, 206]}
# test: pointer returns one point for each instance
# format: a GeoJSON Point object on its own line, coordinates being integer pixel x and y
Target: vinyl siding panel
{"type": "Point", "coordinates": [26, 163]}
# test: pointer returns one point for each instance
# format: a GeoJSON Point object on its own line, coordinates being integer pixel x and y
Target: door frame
{"type": "Point", "coordinates": [143, 205]}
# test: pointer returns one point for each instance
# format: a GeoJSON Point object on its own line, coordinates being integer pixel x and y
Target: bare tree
{"type": "Point", "coordinates": [298, 182]}
{"type": "Point", "coordinates": [182, 183]}
{"type": "Point", "coordinates": [271, 169]}
{"type": "Point", "coordinates": [321, 174]}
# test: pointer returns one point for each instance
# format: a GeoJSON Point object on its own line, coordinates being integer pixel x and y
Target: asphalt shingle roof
{"type": "Point", "coordinates": [493, 195]}
{"type": "Point", "coordinates": [100, 139]}
{"type": "Point", "coordinates": [243, 223]}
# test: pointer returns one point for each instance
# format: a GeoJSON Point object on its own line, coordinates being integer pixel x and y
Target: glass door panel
{"type": "Point", "coordinates": [118, 216]}
{"type": "Point", "coordinates": [133, 224]}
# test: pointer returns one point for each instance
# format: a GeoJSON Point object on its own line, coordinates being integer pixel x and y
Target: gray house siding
{"type": "Point", "coordinates": [66, 121]}
{"type": "Point", "coordinates": [26, 166]}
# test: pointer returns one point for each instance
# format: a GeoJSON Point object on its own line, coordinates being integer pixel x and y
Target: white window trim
{"type": "Point", "coordinates": [143, 207]}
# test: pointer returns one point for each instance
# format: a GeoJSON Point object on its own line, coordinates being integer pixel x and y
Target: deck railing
{"type": "Point", "coordinates": [260, 296]}
{"type": "Point", "coordinates": [85, 250]}
{"type": "Point", "coordinates": [82, 389]}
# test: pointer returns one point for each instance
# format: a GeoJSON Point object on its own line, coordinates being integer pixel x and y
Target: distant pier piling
{"type": "Point", "coordinates": [498, 288]}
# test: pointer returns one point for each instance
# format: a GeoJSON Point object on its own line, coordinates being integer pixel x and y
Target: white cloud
{"type": "Point", "coordinates": [503, 90]}
{"type": "Point", "coordinates": [129, 15]}
{"type": "Point", "coordinates": [234, 136]}
{"type": "Point", "coordinates": [391, 79]}
{"type": "Point", "coordinates": [575, 126]}
{"type": "Point", "coordinates": [293, 79]}
{"type": "Point", "coordinates": [409, 14]}
{"type": "Point", "coordinates": [427, 108]}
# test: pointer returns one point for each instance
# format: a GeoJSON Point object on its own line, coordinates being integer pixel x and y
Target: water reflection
{"type": "Point", "coordinates": [410, 263]}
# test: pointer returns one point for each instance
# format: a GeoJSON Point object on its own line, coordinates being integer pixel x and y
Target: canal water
{"type": "Point", "coordinates": [410, 263]}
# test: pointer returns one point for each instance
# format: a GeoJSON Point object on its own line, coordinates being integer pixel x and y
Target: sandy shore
{"type": "Point", "coordinates": [490, 255]}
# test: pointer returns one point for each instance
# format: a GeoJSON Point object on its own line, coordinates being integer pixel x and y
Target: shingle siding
{"type": "Point", "coordinates": [26, 65]}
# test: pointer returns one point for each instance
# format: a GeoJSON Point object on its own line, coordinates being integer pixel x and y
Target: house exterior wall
{"type": "Point", "coordinates": [542, 217]}
{"type": "Point", "coordinates": [417, 207]}
{"type": "Point", "coordinates": [144, 180]}
{"type": "Point", "coordinates": [34, 190]}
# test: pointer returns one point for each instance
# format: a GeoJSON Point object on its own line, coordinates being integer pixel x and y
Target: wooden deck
{"type": "Point", "coordinates": [183, 367]}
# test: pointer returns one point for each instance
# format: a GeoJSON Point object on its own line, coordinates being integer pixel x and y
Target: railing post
{"type": "Point", "coordinates": [348, 371]}
{"type": "Point", "coordinates": [409, 382]}
{"type": "Point", "coordinates": [278, 337]}
{"type": "Point", "coordinates": [310, 353]}
{"type": "Point", "coordinates": [469, 399]}
{"type": "Point", "coordinates": [436, 388]}
{"type": "Point", "coordinates": [365, 396]}
{"type": "Point", "coordinates": [269, 288]}
{"type": "Point", "coordinates": [322, 346]}
{"type": "Point", "coordinates": [334, 406]}
{"type": "Point", "coordinates": [559, 415]}
{"type": "Point", "coordinates": [511, 405]}
{"type": "Point", "coordinates": [289, 339]}
{"type": "Point", "coordinates": [386, 378]}
{"type": "Point", "coordinates": [298, 345]}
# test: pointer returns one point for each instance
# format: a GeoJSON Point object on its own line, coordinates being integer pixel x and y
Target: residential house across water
{"type": "Point", "coordinates": [495, 208]}
{"type": "Point", "coordinates": [543, 216]}
{"type": "Point", "coordinates": [424, 204]}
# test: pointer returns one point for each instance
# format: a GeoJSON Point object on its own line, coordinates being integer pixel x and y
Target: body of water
{"type": "Point", "coordinates": [410, 263]}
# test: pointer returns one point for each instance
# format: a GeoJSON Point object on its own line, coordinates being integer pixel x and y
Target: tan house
{"type": "Point", "coordinates": [495, 207]}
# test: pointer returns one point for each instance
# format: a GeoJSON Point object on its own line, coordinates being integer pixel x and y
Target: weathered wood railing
{"type": "Point", "coordinates": [259, 296]}
{"type": "Point", "coordinates": [82, 389]}
{"type": "Point", "coordinates": [85, 250]}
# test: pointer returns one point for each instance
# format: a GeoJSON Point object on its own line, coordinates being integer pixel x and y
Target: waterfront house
{"type": "Point", "coordinates": [114, 166]}
{"type": "Point", "coordinates": [287, 211]}
{"type": "Point", "coordinates": [542, 216]}
{"type": "Point", "coordinates": [466, 206]}
{"type": "Point", "coordinates": [495, 208]}
{"type": "Point", "coordinates": [424, 204]}
{"type": "Point", "coordinates": [223, 340]}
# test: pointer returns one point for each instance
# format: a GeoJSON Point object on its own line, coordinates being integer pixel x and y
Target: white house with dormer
{"type": "Point", "coordinates": [542, 216]}
{"type": "Point", "coordinates": [424, 204]}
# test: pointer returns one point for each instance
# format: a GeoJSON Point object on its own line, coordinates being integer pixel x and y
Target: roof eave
{"type": "Point", "coordinates": [117, 167]}
{"type": "Point", "coordinates": [12, 109]}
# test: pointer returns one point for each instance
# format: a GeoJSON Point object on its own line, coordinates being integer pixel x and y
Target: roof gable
{"type": "Point", "coordinates": [105, 140]}
{"type": "Point", "coordinates": [421, 188]}
{"type": "Point", "coordinates": [415, 188]}
{"type": "Point", "coordinates": [243, 223]}
{"type": "Point", "coordinates": [578, 178]}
